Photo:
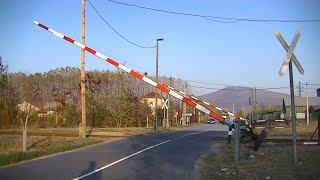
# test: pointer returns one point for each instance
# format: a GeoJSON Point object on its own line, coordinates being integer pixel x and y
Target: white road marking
{"type": "Point", "coordinates": [194, 133]}
{"type": "Point", "coordinates": [127, 157]}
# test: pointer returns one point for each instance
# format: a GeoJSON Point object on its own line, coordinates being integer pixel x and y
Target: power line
{"type": "Point", "coordinates": [200, 82]}
{"type": "Point", "coordinates": [219, 19]}
{"type": "Point", "coordinates": [272, 88]}
{"type": "Point", "coordinates": [116, 30]}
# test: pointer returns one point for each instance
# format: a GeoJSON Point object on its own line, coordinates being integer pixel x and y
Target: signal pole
{"type": "Point", "coordinates": [82, 74]}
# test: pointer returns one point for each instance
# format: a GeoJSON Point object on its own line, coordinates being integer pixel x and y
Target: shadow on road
{"type": "Point", "coordinates": [91, 168]}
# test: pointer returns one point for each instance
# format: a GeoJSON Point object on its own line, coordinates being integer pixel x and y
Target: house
{"type": "Point", "coordinates": [150, 99]}
{"type": "Point", "coordinates": [28, 107]}
{"type": "Point", "coordinates": [301, 105]}
{"type": "Point", "coordinates": [49, 108]}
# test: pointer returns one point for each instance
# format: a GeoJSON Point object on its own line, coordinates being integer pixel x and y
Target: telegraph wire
{"type": "Point", "coordinates": [114, 30]}
{"type": "Point", "coordinates": [272, 88]}
{"type": "Point", "coordinates": [219, 19]}
{"type": "Point", "coordinates": [177, 13]}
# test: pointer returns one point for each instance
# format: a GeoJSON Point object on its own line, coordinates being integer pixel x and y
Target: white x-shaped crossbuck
{"type": "Point", "coordinates": [290, 55]}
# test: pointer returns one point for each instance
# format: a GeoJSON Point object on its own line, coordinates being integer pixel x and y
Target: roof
{"type": "Point", "coordinates": [301, 101]}
{"type": "Point", "coordinates": [152, 95]}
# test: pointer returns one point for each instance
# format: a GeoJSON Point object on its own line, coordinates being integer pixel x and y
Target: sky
{"type": "Point", "coordinates": [242, 53]}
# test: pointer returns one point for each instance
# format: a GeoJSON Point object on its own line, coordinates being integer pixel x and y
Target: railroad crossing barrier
{"type": "Point", "coordinates": [209, 104]}
{"type": "Point", "coordinates": [215, 107]}
{"type": "Point", "coordinates": [138, 75]}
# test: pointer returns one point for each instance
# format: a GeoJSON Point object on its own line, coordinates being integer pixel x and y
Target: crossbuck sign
{"type": "Point", "coordinates": [165, 104]}
{"type": "Point", "coordinates": [290, 55]}
{"type": "Point", "coordinates": [288, 61]}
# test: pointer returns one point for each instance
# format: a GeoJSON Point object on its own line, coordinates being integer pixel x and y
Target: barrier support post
{"type": "Point", "coordinates": [229, 135]}
{"type": "Point", "coordinates": [236, 144]}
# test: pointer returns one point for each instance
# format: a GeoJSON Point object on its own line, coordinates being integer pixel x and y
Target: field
{"type": "Point", "coordinates": [271, 161]}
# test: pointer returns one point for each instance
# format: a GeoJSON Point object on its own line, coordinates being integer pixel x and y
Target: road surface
{"type": "Point", "coordinates": [171, 155]}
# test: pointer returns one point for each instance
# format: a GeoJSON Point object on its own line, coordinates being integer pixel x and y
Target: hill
{"type": "Point", "coordinates": [240, 96]}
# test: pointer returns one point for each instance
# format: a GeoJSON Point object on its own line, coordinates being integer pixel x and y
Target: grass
{"type": "Point", "coordinates": [128, 131]}
{"type": "Point", "coordinates": [270, 162]}
{"type": "Point", "coordinates": [301, 130]}
{"type": "Point", "coordinates": [10, 147]}
{"type": "Point", "coordinates": [273, 162]}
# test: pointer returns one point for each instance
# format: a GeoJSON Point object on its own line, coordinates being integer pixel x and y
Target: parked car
{"type": "Point", "coordinates": [211, 121]}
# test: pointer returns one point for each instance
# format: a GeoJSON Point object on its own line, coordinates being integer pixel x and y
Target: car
{"type": "Point", "coordinates": [211, 121]}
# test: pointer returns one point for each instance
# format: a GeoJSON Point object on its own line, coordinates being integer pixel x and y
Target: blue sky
{"type": "Point", "coordinates": [194, 49]}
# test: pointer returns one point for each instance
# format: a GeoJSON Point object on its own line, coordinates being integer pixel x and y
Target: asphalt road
{"type": "Point", "coordinates": [170, 155]}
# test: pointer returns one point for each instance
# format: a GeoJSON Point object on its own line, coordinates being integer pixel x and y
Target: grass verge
{"type": "Point", "coordinates": [10, 147]}
{"type": "Point", "coordinates": [270, 162]}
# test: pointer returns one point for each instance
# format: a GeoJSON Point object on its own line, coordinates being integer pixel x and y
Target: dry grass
{"type": "Point", "coordinates": [270, 162]}
{"type": "Point", "coordinates": [11, 147]}
{"type": "Point", "coordinates": [302, 131]}
{"type": "Point", "coordinates": [10, 144]}
{"type": "Point", "coordinates": [273, 162]}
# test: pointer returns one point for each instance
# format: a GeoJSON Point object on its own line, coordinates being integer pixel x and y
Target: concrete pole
{"type": "Point", "coordinates": [147, 121]}
{"type": "Point", "coordinates": [299, 89]}
{"type": "Point", "coordinates": [184, 107]}
{"type": "Point", "coordinates": [233, 107]}
{"type": "Point", "coordinates": [168, 113]}
{"type": "Point", "coordinates": [82, 133]}
{"type": "Point", "coordinates": [255, 102]}
{"type": "Point", "coordinates": [24, 134]}
{"type": "Point", "coordinates": [155, 127]}
{"type": "Point", "coordinates": [252, 106]}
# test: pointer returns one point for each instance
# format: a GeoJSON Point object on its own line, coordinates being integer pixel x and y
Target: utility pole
{"type": "Point", "coordinates": [155, 127]}
{"type": "Point", "coordinates": [233, 107]}
{"type": "Point", "coordinates": [83, 77]}
{"type": "Point", "coordinates": [252, 106]}
{"type": "Point", "coordinates": [255, 101]}
{"type": "Point", "coordinates": [307, 104]}
{"type": "Point", "coordinates": [184, 119]}
{"type": "Point", "coordinates": [233, 111]}
{"type": "Point", "coordinates": [299, 89]}
{"type": "Point", "coordinates": [168, 113]}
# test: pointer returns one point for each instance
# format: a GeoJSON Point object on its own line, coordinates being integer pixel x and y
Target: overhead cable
{"type": "Point", "coordinates": [219, 19]}
{"type": "Point", "coordinates": [135, 44]}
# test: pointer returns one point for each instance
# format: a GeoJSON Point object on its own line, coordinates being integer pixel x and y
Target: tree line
{"type": "Point", "coordinates": [113, 98]}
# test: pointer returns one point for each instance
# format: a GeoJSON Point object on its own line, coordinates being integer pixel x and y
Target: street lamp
{"type": "Point", "coordinates": [155, 127]}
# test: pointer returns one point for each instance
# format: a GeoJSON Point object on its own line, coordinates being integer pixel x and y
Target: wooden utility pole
{"type": "Point", "coordinates": [82, 133]}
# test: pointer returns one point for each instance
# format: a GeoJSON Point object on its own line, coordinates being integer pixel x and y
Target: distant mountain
{"type": "Point", "coordinates": [240, 96]}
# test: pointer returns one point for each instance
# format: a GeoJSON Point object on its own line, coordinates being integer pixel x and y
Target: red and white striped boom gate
{"type": "Point", "coordinates": [209, 104]}
{"type": "Point", "coordinates": [140, 76]}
